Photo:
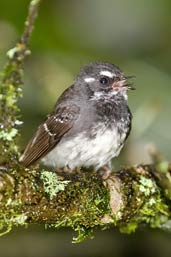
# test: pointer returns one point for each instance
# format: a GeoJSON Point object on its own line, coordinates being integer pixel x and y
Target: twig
{"type": "Point", "coordinates": [10, 89]}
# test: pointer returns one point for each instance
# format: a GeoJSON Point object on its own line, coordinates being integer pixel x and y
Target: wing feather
{"type": "Point", "coordinates": [49, 133]}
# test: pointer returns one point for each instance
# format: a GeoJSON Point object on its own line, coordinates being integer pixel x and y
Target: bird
{"type": "Point", "coordinates": [89, 123]}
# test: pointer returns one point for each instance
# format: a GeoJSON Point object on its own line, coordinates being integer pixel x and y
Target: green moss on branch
{"type": "Point", "coordinates": [82, 200]}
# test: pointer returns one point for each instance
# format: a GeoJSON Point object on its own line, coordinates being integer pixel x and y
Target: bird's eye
{"type": "Point", "coordinates": [104, 81]}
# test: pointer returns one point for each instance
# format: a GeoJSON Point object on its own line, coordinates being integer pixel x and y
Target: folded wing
{"type": "Point", "coordinates": [50, 133]}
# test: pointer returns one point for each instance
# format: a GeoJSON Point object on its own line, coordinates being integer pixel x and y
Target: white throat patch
{"type": "Point", "coordinates": [98, 95]}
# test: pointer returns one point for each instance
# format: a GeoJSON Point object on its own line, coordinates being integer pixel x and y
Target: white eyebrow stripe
{"type": "Point", "coordinates": [89, 79]}
{"type": "Point", "coordinates": [107, 73]}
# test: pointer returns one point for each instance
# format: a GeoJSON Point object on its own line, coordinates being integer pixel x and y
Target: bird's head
{"type": "Point", "coordinates": [103, 79]}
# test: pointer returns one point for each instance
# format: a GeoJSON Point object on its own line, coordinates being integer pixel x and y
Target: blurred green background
{"type": "Point", "coordinates": [136, 36]}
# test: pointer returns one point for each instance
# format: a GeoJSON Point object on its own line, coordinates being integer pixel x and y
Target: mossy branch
{"type": "Point", "coordinates": [82, 200]}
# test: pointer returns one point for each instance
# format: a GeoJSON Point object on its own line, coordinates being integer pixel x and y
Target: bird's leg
{"type": "Point", "coordinates": [67, 169]}
{"type": "Point", "coordinates": [105, 171]}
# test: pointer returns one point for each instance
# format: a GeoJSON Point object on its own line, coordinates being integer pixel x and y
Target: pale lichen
{"type": "Point", "coordinates": [52, 183]}
{"type": "Point", "coordinates": [19, 219]}
{"type": "Point", "coordinates": [12, 52]}
{"type": "Point", "coordinates": [146, 186]}
{"type": "Point", "coordinates": [8, 135]}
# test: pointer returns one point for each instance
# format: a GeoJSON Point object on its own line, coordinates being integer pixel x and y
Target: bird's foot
{"type": "Point", "coordinates": [105, 171]}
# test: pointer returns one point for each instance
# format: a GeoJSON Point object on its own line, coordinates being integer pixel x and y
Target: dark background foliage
{"type": "Point", "coordinates": [135, 35]}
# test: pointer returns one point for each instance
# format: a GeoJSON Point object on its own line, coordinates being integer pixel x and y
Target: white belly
{"type": "Point", "coordinates": [82, 151]}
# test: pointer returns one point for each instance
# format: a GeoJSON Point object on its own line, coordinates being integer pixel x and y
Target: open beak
{"type": "Point", "coordinates": [124, 83]}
